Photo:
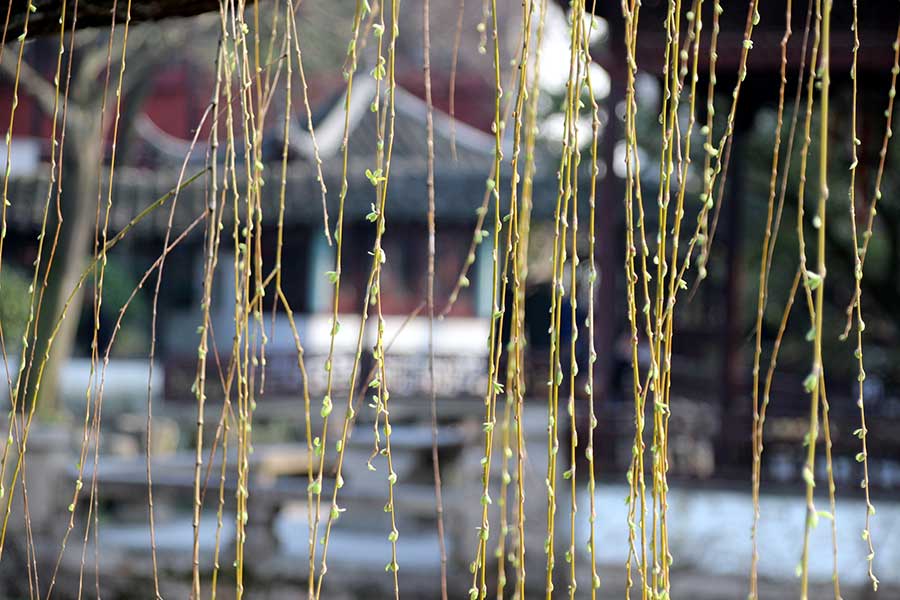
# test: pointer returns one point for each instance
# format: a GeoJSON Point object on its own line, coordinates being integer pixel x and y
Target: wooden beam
{"type": "Point", "coordinates": [877, 31]}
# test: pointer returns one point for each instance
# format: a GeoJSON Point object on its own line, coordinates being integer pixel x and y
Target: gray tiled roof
{"type": "Point", "coordinates": [459, 184]}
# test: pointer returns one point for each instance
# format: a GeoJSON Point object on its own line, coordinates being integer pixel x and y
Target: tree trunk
{"type": "Point", "coordinates": [77, 206]}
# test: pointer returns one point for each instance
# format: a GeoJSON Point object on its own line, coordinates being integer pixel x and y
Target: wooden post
{"type": "Point", "coordinates": [732, 368]}
{"type": "Point", "coordinates": [609, 250]}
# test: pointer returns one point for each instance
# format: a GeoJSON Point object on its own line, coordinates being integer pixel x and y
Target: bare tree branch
{"type": "Point", "coordinates": [148, 46]}
{"type": "Point", "coordinates": [96, 13]}
{"type": "Point", "coordinates": [34, 84]}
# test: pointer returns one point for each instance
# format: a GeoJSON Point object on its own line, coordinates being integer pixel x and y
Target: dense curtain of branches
{"type": "Point", "coordinates": [97, 87]}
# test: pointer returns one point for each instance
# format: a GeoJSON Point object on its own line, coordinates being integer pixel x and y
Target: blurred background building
{"type": "Point", "coordinates": [168, 86]}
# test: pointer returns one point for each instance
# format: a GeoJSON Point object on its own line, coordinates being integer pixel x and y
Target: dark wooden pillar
{"type": "Point", "coordinates": [609, 240]}
{"type": "Point", "coordinates": [731, 225]}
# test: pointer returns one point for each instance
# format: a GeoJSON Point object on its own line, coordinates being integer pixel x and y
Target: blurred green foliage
{"type": "Point", "coordinates": [14, 286]}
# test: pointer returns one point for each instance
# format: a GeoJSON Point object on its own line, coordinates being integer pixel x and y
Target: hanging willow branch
{"type": "Point", "coordinates": [655, 266]}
